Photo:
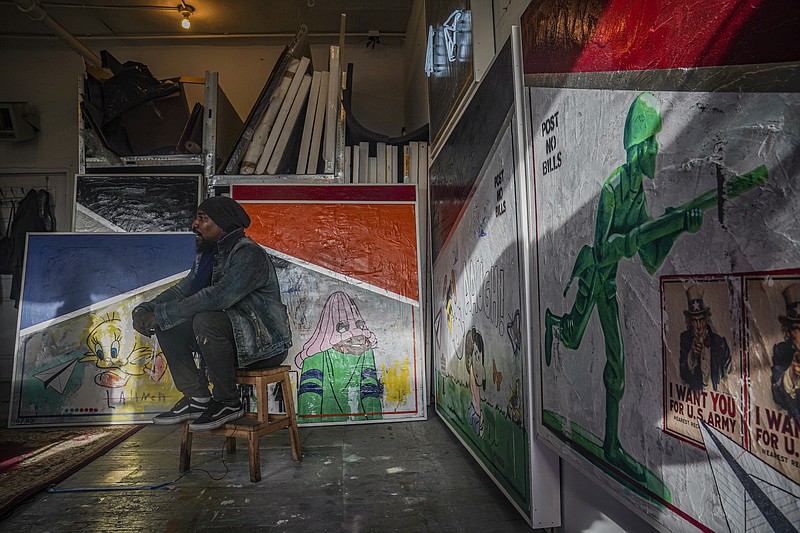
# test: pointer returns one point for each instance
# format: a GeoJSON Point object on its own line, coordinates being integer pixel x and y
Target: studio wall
{"type": "Point", "coordinates": [46, 75]}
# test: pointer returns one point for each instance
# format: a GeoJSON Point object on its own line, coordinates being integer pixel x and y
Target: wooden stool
{"type": "Point", "coordinates": [253, 426]}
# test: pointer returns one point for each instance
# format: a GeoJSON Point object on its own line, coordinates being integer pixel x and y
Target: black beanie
{"type": "Point", "coordinates": [225, 212]}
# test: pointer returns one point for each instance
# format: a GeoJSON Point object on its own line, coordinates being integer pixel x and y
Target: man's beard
{"type": "Point", "coordinates": [202, 245]}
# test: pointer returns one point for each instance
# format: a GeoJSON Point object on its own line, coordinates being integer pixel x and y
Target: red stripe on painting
{"type": "Point", "coordinates": [325, 193]}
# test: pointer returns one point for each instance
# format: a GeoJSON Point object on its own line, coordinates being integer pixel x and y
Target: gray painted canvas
{"type": "Point", "coordinates": [135, 203]}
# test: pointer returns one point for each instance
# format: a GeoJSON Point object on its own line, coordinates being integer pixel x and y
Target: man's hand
{"type": "Point", "coordinates": [697, 346]}
{"type": "Point", "coordinates": [144, 321]}
{"type": "Point", "coordinates": [693, 220]}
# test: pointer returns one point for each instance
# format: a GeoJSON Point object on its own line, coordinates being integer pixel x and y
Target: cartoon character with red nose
{"type": "Point", "coordinates": [338, 380]}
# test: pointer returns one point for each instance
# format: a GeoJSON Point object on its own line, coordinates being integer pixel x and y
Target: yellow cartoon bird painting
{"type": "Point", "coordinates": [120, 353]}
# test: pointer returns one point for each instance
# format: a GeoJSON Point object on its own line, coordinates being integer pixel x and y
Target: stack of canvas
{"type": "Point", "coordinates": [407, 163]}
{"type": "Point", "coordinates": [298, 127]}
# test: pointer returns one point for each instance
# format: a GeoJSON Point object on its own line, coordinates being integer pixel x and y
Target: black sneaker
{"type": "Point", "coordinates": [216, 415]}
{"type": "Point", "coordinates": [185, 409]}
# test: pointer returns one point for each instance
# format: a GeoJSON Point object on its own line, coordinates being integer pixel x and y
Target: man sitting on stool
{"type": "Point", "coordinates": [228, 309]}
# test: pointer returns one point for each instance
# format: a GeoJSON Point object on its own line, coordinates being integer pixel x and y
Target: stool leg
{"type": "Point", "coordinates": [230, 444]}
{"type": "Point", "coordinates": [186, 448]}
{"type": "Point", "coordinates": [262, 400]}
{"type": "Point", "coordinates": [294, 435]}
{"type": "Point", "coordinates": [255, 457]}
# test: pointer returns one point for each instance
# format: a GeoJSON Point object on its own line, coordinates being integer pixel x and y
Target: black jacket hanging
{"type": "Point", "coordinates": [7, 245]}
{"type": "Point", "coordinates": [33, 215]}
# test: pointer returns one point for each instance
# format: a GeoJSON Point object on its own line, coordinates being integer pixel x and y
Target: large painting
{"type": "Point", "coordinates": [117, 203]}
{"type": "Point", "coordinates": [478, 336]}
{"type": "Point", "coordinates": [455, 169]}
{"type": "Point", "coordinates": [347, 262]}
{"type": "Point", "coordinates": [667, 283]}
{"type": "Point", "coordinates": [480, 355]}
{"type": "Point", "coordinates": [78, 359]}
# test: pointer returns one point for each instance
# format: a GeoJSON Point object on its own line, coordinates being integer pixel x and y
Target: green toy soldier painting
{"type": "Point", "coordinates": [624, 229]}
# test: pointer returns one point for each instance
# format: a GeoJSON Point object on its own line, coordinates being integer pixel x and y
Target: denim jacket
{"type": "Point", "coordinates": [244, 285]}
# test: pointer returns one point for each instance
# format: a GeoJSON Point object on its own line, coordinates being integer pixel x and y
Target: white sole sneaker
{"type": "Point", "coordinates": [165, 421]}
{"type": "Point", "coordinates": [185, 409]}
{"type": "Point", "coordinates": [217, 415]}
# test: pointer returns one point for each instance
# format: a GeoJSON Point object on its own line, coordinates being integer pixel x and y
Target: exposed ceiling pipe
{"type": "Point", "coordinates": [36, 12]}
{"type": "Point", "coordinates": [331, 36]}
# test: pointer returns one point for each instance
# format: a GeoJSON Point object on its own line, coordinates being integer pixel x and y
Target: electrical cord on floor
{"type": "Point", "coordinates": [53, 489]}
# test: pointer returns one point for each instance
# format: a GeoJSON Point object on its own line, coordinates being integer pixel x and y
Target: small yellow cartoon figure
{"type": "Point", "coordinates": [108, 349]}
{"type": "Point", "coordinates": [450, 300]}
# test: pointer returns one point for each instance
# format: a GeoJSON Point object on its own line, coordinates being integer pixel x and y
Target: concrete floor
{"type": "Point", "coordinates": [408, 477]}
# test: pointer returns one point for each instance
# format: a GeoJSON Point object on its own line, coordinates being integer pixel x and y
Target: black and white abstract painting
{"type": "Point", "coordinates": [133, 203]}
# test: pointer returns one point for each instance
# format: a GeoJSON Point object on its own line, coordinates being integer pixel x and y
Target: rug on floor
{"type": "Point", "coordinates": [32, 459]}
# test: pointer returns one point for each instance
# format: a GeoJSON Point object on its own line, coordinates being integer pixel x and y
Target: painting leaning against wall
{"type": "Point", "coordinates": [78, 359]}
{"type": "Point", "coordinates": [653, 209]}
{"type": "Point", "coordinates": [118, 203]}
{"type": "Point", "coordinates": [349, 278]}
{"type": "Point", "coordinates": [479, 355]}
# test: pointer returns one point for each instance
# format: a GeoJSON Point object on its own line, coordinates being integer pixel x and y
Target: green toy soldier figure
{"type": "Point", "coordinates": [623, 229]}
{"type": "Point", "coordinates": [621, 213]}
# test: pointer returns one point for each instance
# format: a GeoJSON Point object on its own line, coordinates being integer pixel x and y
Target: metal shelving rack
{"type": "Point", "coordinates": [94, 158]}
{"type": "Point", "coordinates": [103, 160]}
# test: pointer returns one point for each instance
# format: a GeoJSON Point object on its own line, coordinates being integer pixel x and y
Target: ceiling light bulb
{"type": "Point", "coordinates": [186, 11]}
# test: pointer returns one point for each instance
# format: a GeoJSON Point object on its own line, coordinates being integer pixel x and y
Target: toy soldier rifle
{"type": "Point", "coordinates": [672, 220]}
{"type": "Point", "coordinates": [669, 223]}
